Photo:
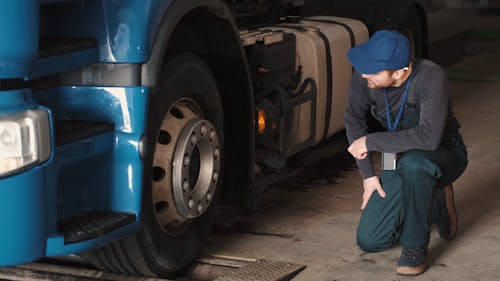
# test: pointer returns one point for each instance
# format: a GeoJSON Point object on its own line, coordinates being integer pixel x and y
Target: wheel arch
{"type": "Point", "coordinates": [395, 16]}
{"type": "Point", "coordinates": [207, 29]}
{"type": "Point", "coordinates": [398, 20]}
{"type": "Point", "coordinates": [425, 30]}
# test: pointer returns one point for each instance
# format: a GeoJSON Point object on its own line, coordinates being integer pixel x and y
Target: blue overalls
{"type": "Point", "coordinates": [409, 209]}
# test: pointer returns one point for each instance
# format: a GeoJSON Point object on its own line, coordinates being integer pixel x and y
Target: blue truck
{"type": "Point", "coordinates": [124, 123]}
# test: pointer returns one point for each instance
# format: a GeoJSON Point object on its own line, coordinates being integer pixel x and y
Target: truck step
{"type": "Point", "coordinates": [68, 131]}
{"type": "Point", "coordinates": [91, 224]}
{"type": "Point", "coordinates": [59, 54]}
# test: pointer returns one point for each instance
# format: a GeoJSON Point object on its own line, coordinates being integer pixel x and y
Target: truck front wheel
{"type": "Point", "coordinates": [182, 176]}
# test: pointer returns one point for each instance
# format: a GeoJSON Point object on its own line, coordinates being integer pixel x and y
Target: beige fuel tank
{"type": "Point", "coordinates": [322, 43]}
{"type": "Point", "coordinates": [343, 34]}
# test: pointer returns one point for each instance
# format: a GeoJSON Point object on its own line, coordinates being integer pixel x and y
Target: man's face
{"type": "Point", "coordinates": [380, 80]}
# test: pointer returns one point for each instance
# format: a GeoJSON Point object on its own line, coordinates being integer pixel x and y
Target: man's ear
{"type": "Point", "coordinates": [398, 74]}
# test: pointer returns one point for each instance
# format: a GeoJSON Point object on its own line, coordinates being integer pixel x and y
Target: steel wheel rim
{"type": "Point", "coordinates": [186, 166]}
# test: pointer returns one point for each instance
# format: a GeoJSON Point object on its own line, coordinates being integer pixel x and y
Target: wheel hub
{"type": "Point", "coordinates": [186, 167]}
{"type": "Point", "coordinates": [195, 168]}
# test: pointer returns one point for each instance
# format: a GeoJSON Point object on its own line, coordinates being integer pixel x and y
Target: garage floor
{"type": "Point", "coordinates": [309, 211]}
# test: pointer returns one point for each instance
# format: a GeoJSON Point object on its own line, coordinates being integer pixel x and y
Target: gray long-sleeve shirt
{"type": "Point", "coordinates": [430, 90]}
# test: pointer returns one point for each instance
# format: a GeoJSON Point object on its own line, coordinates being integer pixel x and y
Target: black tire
{"type": "Point", "coordinates": [152, 251]}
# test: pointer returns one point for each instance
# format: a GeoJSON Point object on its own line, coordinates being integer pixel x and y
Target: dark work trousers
{"type": "Point", "coordinates": [409, 209]}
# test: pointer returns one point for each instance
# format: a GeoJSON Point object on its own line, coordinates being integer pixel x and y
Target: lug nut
{"type": "Point", "coordinates": [203, 130]}
{"type": "Point", "coordinates": [199, 208]}
{"type": "Point", "coordinates": [216, 153]}
{"type": "Point", "coordinates": [185, 185]}
{"type": "Point", "coordinates": [194, 139]}
{"type": "Point", "coordinates": [209, 196]}
{"type": "Point", "coordinates": [215, 177]}
{"type": "Point", "coordinates": [212, 135]}
{"type": "Point", "coordinates": [186, 160]}
{"type": "Point", "coordinates": [190, 203]}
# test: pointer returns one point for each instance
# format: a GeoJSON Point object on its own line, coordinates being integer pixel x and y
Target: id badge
{"type": "Point", "coordinates": [389, 161]}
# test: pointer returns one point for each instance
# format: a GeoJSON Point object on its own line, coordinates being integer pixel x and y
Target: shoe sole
{"type": "Point", "coordinates": [452, 211]}
{"type": "Point", "coordinates": [411, 270]}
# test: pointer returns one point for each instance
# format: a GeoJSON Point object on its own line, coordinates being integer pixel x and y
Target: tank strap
{"type": "Point", "coordinates": [347, 27]}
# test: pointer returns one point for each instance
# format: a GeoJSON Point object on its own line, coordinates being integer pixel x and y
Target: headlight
{"type": "Point", "coordinates": [24, 139]}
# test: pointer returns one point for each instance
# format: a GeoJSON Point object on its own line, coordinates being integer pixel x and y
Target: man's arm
{"type": "Point", "coordinates": [433, 112]}
{"type": "Point", "coordinates": [358, 104]}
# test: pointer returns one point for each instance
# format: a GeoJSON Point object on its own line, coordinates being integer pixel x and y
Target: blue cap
{"type": "Point", "coordinates": [387, 49]}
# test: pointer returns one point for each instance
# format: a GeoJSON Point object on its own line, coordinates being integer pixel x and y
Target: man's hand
{"type": "Point", "coordinates": [358, 148]}
{"type": "Point", "coordinates": [370, 185]}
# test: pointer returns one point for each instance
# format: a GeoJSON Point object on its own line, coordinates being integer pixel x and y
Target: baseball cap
{"type": "Point", "coordinates": [386, 49]}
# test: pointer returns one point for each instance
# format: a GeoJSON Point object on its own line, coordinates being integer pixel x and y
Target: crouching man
{"type": "Point", "coordinates": [422, 151]}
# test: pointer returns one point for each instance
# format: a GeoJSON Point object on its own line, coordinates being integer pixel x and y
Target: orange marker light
{"type": "Point", "coordinates": [261, 121]}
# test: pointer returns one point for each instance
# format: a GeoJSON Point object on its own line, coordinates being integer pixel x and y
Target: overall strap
{"type": "Point", "coordinates": [411, 101]}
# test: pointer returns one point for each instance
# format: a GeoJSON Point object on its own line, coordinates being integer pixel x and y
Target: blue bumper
{"type": "Point", "coordinates": [102, 172]}
{"type": "Point", "coordinates": [22, 215]}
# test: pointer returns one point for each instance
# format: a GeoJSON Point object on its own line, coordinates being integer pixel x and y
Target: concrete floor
{"type": "Point", "coordinates": [310, 210]}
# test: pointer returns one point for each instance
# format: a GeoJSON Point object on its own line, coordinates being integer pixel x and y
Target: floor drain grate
{"type": "Point", "coordinates": [263, 270]}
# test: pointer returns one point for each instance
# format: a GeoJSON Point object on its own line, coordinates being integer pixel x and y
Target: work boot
{"type": "Point", "coordinates": [448, 219]}
{"type": "Point", "coordinates": [412, 261]}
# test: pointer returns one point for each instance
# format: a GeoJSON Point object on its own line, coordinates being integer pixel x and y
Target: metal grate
{"type": "Point", "coordinates": [263, 270]}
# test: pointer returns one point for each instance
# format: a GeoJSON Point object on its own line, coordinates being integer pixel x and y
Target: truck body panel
{"type": "Point", "coordinates": [125, 30]}
{"type": "Point", "coordinates": [19, 29]}
{"type": "Point", "coordinates": [102, 172]}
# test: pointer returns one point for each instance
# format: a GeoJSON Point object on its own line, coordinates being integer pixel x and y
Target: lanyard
{"type": "Point", "coordinates": [392, 128]}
